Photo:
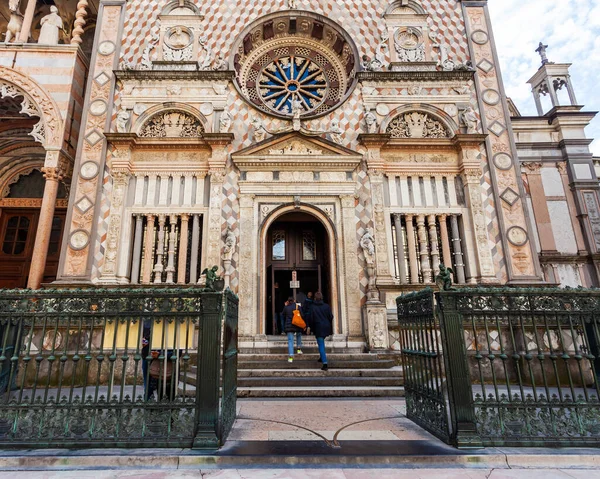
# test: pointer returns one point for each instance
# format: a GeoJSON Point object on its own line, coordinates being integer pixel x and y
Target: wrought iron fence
{"type": "Point", "coordinates": [522, 365]}
{"type": "Point", "coordinates": [116, 368]}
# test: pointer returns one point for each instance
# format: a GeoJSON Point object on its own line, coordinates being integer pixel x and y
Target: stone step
{"type": "Point", "coordinates": [301, 364]}
{"type": "Point", "coordinates": [309, 356]}
{"type": "Point", "coordinates": [315, 382]}
{"type": "Point", "coordinates": [342, 391]}
{"type": "Point", "coordinates": [395, 372]}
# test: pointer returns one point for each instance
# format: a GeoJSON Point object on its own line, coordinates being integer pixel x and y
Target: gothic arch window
{"type": "Point", "coordinates": [295, 64]}
{"type": "Point", "coordinates": [417, 124]}
{"type": "Point", "coordinates": [171, 123]}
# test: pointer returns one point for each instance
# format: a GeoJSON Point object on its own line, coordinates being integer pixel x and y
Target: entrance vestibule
{"type": "Point", "coordinates": [297, 262]}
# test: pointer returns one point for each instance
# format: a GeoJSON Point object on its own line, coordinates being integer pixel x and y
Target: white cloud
{"type": "Point", "coordinates": [571, 28]}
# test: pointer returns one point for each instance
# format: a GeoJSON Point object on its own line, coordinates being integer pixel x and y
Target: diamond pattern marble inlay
{"type": "Point", "coordinates": [497, 128]}
{"type": "Point", "coordinates": [84, 204]}
{"type": "Point", "coordinates": [510, 196]}
{"type": "Point", "coordinates": [102, 79]}
{"type": "Point", "coordinates": [93, 138]}
{"type": "Point", "coordinates": [485, 65]}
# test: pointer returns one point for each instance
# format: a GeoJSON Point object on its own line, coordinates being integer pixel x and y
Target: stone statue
{"type": "Point", "coordinates": [371, 121]}
{"type": "Point", "coordinates": [122, 121]}
{"type": "Point", "coordinates": [469, 118]}
{"type": "Point", "coordinates": [542, 49]}
{"type": "Point", "coordinates": [14, 24]}
{"type": "Point", "coordinates": [292, 4]}
{"type": "Point", "coordinates": [13, 5]}
{"type": "Point", "coordinates": [444, 278]}
{"type": "Point", "coordinates": [260, 132]}
{"type": "Point", "coordinates": [211, 277]}
{"type": "Point", "coordinates": [367, 243]}
{"type": "Point", "coordinates": [179, 38]}
{"type": "Point", "coordinates": [220, 63]}
{"type": "Point", "coordinates": [335, 132]}
{"type": "Point", "coordinates": [225, 122]}
{"type": "Point", "coordinates": [207, 62]}
{"type": "Point", "coordinates": [51, 25]}
{"type": "Point", "coordinates": [229, 248]}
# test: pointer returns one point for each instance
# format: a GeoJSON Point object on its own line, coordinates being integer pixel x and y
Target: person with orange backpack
{"type": "Point", "coordinates": [294, 326]}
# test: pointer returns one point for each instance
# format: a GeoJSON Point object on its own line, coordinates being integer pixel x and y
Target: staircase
{"type": "Point", "coordinates": [350, 375]}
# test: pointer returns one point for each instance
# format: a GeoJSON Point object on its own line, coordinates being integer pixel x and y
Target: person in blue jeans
{"type": "Point", "coordinates": [291, 330]}
{"type": "Point", "coordinates": [322, 320]}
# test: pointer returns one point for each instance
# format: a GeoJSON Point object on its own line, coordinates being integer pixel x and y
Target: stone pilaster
{"type": "Point", "coordinates": [247, 264]}
{"type": "Point", "coordinates": [351, 266]}
{"type": "Point", "coordinates": [533, 170]}
{"type": "Point", "coordinates": [213, 248]}
{"type": "Point", "coordinates": [377, 327]}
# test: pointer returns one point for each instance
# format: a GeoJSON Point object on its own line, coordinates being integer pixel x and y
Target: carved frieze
{"type": "Point", "coordinates": [416, 125]}
{"type": "Point", "coordinates": [172, 124]}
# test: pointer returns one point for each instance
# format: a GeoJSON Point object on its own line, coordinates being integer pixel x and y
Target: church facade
{"type": "Point", "coordinates": [352, 148]}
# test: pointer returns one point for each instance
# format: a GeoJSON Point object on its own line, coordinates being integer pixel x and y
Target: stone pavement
{"type": "Point", "coordinates": [311, 438]}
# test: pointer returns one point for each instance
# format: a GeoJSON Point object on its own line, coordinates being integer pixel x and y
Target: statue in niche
{"type": "Point", "coordinates": [469, 118]}
{"type": "Point", "coordinates": [260, 132]}
{"type": "Point", "coordinates": [13, 29]}
{"type": "Point", "coordinates": [335, 132]}
{"type": "Point", "coordinates": [370, 121]}
{"type": "Point", "coordinates": [367, 243]}
{"type": "Point", "coordinates": [179, 39]}
{"type": "Point", "coordinates": [123, 121]}
{"type": "Point", "coordinates": [208, 58]}
{"type": "Point", "coordinates": [220, 63]}
{"type": "Point", "coordinates": [51, 25]}
{"type": "Point", "coordinates": [225, 122]}
{"type": "Point", "coordinates": [229, 248]}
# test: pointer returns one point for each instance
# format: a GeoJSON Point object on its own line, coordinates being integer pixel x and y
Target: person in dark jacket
{"type": "Point", "coordinates": [322, 319]}
{"type": "Point", "coordinates": [307, 309]}
{"type": "Point", "coordinates": [290, 329]}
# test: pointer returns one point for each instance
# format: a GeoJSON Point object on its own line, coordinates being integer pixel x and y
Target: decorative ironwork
{"type": "Point", "coordinates": [309, 246]}
{"type": "Point", "coordinates": [522, 365]}
{"type": "Point", "coordinates": [292, 78]}
{"type": "Point", "coordinates": [278, 252]}
{"type": "Point", "coordinates": [115, 368]}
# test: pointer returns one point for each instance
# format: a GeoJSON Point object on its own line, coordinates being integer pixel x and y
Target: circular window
{"type": "Point", "coordinates": [285, 63]}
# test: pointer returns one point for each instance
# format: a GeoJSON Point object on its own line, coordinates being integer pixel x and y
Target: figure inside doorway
{"type": "Point", "coordinates": [291, 329]}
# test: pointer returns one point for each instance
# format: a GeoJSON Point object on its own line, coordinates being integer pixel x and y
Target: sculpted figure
{"type": "Point", "coordinates": [179, 39]}
{"type": "Point", "coordinates": [335, 132]}
{"type": "Point", "coordinates": [122, 121]}
{"type": "Point", "coordinates": [229, 247]}
{"type": "Point", "coordinates": [14, 24]}
{"type": "Point", "coordinates": [444, 278]}
{"type": "Point", "coordinates": [51, 24]}
{"type": "Point", "coordinates": [225, 122]}
{"type": "Point", "coordinates": [260, 133]}
{"type": "Point", "coordinates": [211, 277]}
{"type": "Point", "coordinates": [469, 118]}
{"type": "Point", "coordinates": [220, 63]}
{"type": "Point", "coordinates": [292, 4]}
{"type": "Point", "coordinates": [367, 243]}
{"type": "Point", "coordinates": [371, 122]}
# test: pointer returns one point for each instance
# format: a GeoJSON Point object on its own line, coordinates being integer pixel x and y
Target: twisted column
{"type": "Point", "coordinates": [79, 22]}
{"type": "Point", "coordinates": [171, 256]}
{"type": "Point", "coordinates": [433, 243]}
{"type": "Point", "coordinates": [423, 249]}
{"type": "Point", "coordinates": [158, 267]}
{"type": "Point", "coordinates": [400, 248]}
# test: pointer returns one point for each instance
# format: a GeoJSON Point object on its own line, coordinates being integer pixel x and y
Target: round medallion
{"type": "Point", "coordinates": [517, 236]}
{"type": "Point", "coordinates": [88, 170]}
{"type": "Point", "coordinates": [382, 109]}
{"type": "Point", "coordinates": [480, 37]}
{"type": "Point", "coordinates": [284, 72]}
{"type": "Point", "coordinates": [98, 107]}
{"type": "Point", "coordinates": [491, 97]}
{"type": "Point", "coordinates": [106, 48]}
{"type": "Point", "coordinates": [79, 239]}
{"type": "Point", "coordinates": [407, 39]}
{"type": "Point", "coordinates": [503, 161]}
{"type": "Point", "coordinates": [178, 37]}
{"type": "Point", "coordinates": [206, 109]}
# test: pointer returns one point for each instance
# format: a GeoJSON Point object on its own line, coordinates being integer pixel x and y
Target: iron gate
{"type": "Point", "coordinates": [115, 368]}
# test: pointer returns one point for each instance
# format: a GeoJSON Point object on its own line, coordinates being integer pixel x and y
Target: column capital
{"type": "Point", "coordinates": [185, 216]}
{"type": "Point", "coordinates": [52, 173]}
{"type": "Point", "coordinates": [397, 216]}
{"type": "Point", "coordinates": [532, 167]}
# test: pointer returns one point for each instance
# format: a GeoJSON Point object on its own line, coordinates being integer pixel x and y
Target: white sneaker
{"type": "Point", "coordinates": [290, 359]}
{"type": "Point", "coordinates": [300, 351]}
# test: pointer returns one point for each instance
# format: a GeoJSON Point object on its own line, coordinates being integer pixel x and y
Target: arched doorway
{"type": "Point", "coordinates": [297, 261]}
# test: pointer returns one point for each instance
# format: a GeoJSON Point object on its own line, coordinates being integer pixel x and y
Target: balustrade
{"type": "Point", "coordinates": [421, 240]}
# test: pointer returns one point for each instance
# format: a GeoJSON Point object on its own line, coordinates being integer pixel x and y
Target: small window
{"type": "Point", "coordinates": [278, 245]}
{"type": "Point", "coordinates": [15, 237]}
{"type": "Point", "coordinates": [309, 246]}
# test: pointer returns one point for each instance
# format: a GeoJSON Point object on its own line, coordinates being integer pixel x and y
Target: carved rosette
{"type": "Point", "coordinates": [495, 121]}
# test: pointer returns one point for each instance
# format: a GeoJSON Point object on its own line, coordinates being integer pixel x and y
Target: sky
{"type": "Point", "coordinates": [570, 28]}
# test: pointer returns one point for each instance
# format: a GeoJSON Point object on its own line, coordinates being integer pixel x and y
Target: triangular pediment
{"type": "Point", "coordinates": [296, 151]}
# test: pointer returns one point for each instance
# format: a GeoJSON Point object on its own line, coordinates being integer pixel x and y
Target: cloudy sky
{"type": "Point", "coordinates": [571, 28]}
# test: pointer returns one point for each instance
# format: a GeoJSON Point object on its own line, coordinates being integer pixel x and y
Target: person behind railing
{"type": "Point", "coordinates": [155, 369]}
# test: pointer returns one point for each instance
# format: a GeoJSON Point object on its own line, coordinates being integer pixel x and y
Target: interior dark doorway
{"type": "Point", "coordinates": [297, 263]}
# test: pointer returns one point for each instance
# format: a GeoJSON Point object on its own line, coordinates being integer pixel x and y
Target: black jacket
{"type": "Point", "coordinates": [288, 314]}
{"type": "Point", "coordinates": [322, 318]}
{"type": "Point", "coordinates": [307, 311]}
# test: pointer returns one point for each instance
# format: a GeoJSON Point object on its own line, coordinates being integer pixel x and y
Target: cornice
{"type": "Point", "coordinates": [462, 75]}
{"type": "Point", "coordinates": [206, 75]}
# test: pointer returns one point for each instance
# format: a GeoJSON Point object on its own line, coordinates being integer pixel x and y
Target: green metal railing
{"type": "Point", "coordinates": [117, 368]}
{"type": "Point", "coordinates": [521, 365]}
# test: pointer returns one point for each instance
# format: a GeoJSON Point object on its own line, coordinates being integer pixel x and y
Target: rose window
{"type": "Point", "coordinates": [292, 78]}
{"type": "Point", "coordinates": [301, 63]}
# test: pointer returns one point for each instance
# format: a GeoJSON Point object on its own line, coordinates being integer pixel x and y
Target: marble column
{"type": "Point", "coordinates": [148, 250]}
{"type": "Point", "coordinates": [446, 253]}
{"type": "Point", "coordinates": [433, 243]}
{"type": "Point", "coordinates": [137, 249]}
{"type": "Point", "coordinates": [458, 255]}
{"type": "Point", "coordinates": [194, 253]}
{"type": "Point", "coordinates": [412, 249]}
{"type": "Point", "coordinates": [160, 246]}
{"type": "Point", "coordinates": [42, 238]}
{"type": "Point", "coordinates": [27, 21]}
{"type": "Point", "coordinates": [400, 248]}
{"type": "Point", "coordinates": [423, 249]}
{"type": "Point", "coordinates": [170, 270]}
{"type": "Point", "coordinates": [183, 248]}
